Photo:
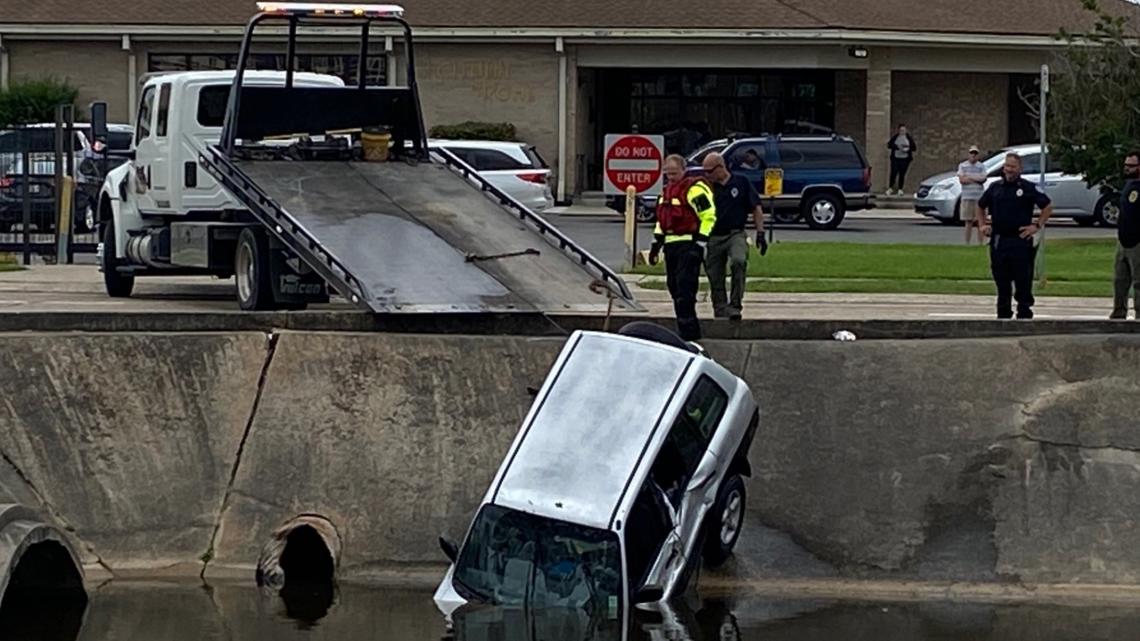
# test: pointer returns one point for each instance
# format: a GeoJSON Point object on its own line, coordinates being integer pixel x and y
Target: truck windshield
{"type": "Point", "coordinates": [512, 557]}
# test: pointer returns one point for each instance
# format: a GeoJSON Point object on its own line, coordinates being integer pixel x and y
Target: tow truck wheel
{"type": "Point", "coordinates": [726, 519]}
{"type": "Point", "coordinates": [251, 271]}
{"type": "Point", "coordinates": [117, 284]}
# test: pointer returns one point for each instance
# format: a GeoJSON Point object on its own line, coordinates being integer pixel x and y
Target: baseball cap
{"type": "Point", "coordinates": [974, 149]}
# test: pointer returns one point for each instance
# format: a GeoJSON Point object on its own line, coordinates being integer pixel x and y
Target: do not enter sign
{"type": "Point", "coordinates": [634, 160]}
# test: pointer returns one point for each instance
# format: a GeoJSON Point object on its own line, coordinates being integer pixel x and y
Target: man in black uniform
{"type": "Point", "coordinates": [1128, 232]}
{"type": "Point", "coordinates": [736, 200]}
{"type": "Point", "coordinates": [1005, 213]}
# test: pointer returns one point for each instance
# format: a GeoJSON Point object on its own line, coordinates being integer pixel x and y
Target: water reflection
{"type": "Point", "coordinates": [165, 611]}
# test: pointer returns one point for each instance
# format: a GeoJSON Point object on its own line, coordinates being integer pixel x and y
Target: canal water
{"type": "Point", "coordinates": [161, 611]}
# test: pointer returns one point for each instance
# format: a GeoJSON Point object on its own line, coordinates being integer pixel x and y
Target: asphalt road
{"type": "Point", "coordinates": [604, 237]}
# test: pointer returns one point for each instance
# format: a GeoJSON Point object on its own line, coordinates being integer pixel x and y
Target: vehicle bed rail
{"type": "Point", "coordinates": [552, 234]}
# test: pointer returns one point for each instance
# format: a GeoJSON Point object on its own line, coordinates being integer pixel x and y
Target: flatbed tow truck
{"type": "Point", "coordinates": [289, 206]}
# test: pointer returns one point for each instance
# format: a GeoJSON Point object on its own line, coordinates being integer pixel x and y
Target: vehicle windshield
{"type": "Point", "coordinates": [512, 558]}
{"type": "Point", "coordinates": [698, 156]}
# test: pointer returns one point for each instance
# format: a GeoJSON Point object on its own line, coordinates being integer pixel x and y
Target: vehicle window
{"type": "Point", "coordinates": [536, 159]}
{"type": "Point", "coordinates": [818, 155]}
{"type": "Point", "coordinates": [212, 103]}
{"type": "Point", "coordinates": [1031, 164]}
{"type": "Point", "coordinates": [698, 156]}
{"type": "Point", "coordinates": [146, 111]}
{"type": "Point", "coordinates": [494, 160]}
{"type": "Point", "coordinates": [647, 526]}
{"type": "Point", "coordinates": [464, 155]}
{"type": "Point", "coordinates": [688, 439]}
{"type": "Point", "coordinates": [163, 110]}
{"type": "Point", "coordinates": [747, 157]}
{"type": "Point", "coordinates": [119, 140]}
{"type": "Point", "coordinates": [511, 555]}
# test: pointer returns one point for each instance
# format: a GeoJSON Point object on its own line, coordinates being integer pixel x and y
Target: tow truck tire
{"type": "Point", "coordinates": [117, 284]}
{"type": "Point", "coordinates": [252, 271]}
{"type": "Point", "coordinates": [725, 520]}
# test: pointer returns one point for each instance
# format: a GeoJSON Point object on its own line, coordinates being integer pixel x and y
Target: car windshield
{"type": "Point", "coordinates": [512, 557]}
{"type": "Point", "coordinates": [698, 156]}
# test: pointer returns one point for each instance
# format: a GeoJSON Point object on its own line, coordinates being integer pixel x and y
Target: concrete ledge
{"type": "Point", "coordinates": [538, 325]}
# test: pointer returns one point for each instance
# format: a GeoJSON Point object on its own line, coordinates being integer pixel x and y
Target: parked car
{"type": "Point", "coordinates": [940, 196]}
{"type": "Point", "coordinates": [515, 167]}
{"type": "Point", "coordinates": [39, 141]}
{"type": "Point", "coordinates": [627, 471]}
{"type": "Point", "coordinates": [825, 176]}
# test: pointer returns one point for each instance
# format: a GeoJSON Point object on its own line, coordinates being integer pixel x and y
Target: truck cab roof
{"type": "Point", "coordinates": [249, 77]}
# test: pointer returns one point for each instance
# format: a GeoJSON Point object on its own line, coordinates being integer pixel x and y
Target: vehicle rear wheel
{"type": "Point", "coordinates": [823, 211]}
{"type": "Point", "coordinates": [117, 284]}
{"type": "Point", "coordinates": [251, 269]}
{"type": "Point", "coordinates": [725, 520]}
{"type": "Point", "coordinates": [1107, 211]}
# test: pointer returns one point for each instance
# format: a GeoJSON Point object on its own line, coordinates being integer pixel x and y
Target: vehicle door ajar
{"type": "Point", "coordinates": [140, 180]}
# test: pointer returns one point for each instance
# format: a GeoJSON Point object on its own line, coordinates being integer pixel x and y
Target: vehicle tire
{"type": "Point", "coordinates": [251, 270]}
{"type": "Point", "coordinates": [1107, 211]}
{"type": "Point", "coordinates": [117, 284]}
{"type": "Point", "coordinates": [656, 333]}
{"type": "Point", "coordinates": [725, 520]}
{"type": "Point", "coordinates": [644, 213]}
{"type": "Point", "coordinates": [786, 217]}
{"type": "Point", "coordinates": [823, 211]}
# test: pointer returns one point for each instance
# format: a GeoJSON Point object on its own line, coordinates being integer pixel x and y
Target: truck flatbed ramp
{"type": "Point", "coordinates": [426, 237]}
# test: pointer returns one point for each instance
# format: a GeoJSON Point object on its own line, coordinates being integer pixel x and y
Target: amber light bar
{"type": "Point", "coordinates": [331, 10]}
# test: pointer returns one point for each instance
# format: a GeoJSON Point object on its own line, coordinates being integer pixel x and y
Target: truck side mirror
{"type": "Point", "coordinates": [99, 120]}
{"type": "Point", "coordinates": [450, 550]}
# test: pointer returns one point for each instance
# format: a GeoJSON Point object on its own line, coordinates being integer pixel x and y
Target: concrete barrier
{"type": "Point", "coordinates": [998, 459]}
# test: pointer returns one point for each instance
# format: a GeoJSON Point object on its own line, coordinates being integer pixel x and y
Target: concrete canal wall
{"type": "Point", "coordinates": [1004, 459]}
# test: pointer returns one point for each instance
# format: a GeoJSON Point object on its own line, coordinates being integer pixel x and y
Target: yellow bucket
{"type": "Point", "coordinates": [375, 145]}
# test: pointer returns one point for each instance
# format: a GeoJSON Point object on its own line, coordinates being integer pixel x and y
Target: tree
{"type": "Point", "coordinates": [31, 101]}
{"type": "Point", "coordinates": [1094, 98]}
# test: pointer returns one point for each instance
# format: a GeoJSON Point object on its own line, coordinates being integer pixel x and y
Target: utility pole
{"type": "Point", "coordinates": [1040, 240]}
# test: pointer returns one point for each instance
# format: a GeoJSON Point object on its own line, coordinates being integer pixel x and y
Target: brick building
{"type": "Point", "coordinates": [568, 72]}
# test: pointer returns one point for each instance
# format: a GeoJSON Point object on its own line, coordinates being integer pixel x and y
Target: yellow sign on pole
{"type": "Point", "coordinates": [773, 182]}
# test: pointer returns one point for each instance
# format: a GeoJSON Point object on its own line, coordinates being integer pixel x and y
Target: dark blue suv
{"type": "Point", "coordinates": [825, 176]}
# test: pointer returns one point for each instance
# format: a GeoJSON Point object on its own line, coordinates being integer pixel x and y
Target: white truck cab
{"type": "Point", "coordinates": [161, 212]}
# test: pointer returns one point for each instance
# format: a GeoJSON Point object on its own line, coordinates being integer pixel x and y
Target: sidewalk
{"type": "Point", "coordinates": [816, 306]}
{"type": "Point", "coordinates": [588, 211]}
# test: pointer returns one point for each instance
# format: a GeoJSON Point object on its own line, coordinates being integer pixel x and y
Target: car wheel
{"type": "Point", "coordinates": [725, 521]}
{"type": "Point", "coordinates": [117, 284]}
{"type": "Point", "coordinates": [251, 268]}
{"type": "Point", "coordinates": [645, 213]}
{"type": "Point", "coordinates": [1107, 212]}
{"type": "Point", "coordinates": [956, 219]}
{"type": "Point", "coordinates": [786, 218]}
{"type": "Point", "coordinates": [823, 211]}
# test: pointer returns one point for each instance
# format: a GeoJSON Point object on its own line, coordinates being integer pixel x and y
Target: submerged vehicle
{"type": "Point", "coordinates": [626, 473]}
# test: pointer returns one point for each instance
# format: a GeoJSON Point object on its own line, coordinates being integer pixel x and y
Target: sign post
{"type": "Point", "coordinates": [633, 164]}
{"type": "Point", "coordinates": [1039, 266]}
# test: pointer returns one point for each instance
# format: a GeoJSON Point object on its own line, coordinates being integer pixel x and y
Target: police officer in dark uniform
{"type": "Point", "coordinates": [1005, 213]}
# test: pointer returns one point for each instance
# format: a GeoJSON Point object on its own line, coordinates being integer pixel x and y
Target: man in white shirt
{"type": "Point", "coordinates": [972, 176]}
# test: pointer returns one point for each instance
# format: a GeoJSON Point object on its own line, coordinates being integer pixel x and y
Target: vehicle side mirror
{"type": "Point", "coordinates": [450, 550]}
{"type": "Point", "coordinates": [649, 594]}
{"type": "Point", "coordinates": [99, 120]}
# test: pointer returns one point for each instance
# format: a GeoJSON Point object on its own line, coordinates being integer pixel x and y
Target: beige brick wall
{"type": "Point", "coordinates": [851, 104]}
{"type": "Point", "coordinates": [97, 69]}
{"type": "Point", "coordinates": [496, 83]}
{"type": "Point", "coordinates": [946, 113]}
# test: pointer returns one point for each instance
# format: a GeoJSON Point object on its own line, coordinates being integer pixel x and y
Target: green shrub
{"type": "Point", "coordinates": [471, 130]}
{"type": "Point", "coordinates": [30, 101]}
